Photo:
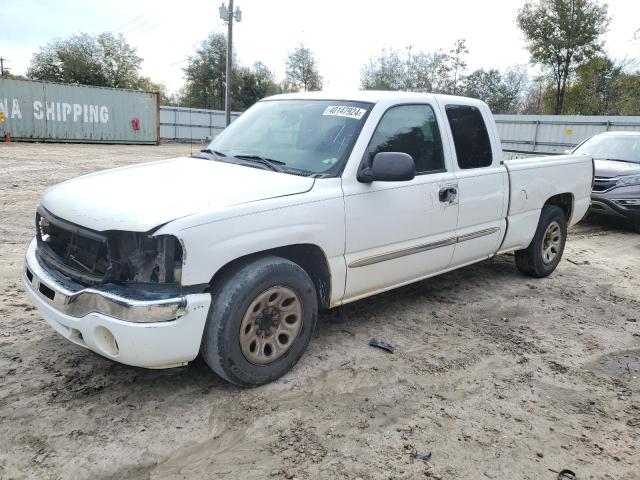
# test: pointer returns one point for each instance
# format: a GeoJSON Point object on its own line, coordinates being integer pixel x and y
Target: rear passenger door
{"type": "Point", "coordinates": [482, 181]}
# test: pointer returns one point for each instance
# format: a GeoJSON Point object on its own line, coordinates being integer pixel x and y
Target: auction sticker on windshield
{"type": "Point", "coordinates": [342, 111]}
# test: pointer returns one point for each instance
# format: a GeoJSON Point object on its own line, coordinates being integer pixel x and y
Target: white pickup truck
{"type": "Point", "coordinates": [306, 202]}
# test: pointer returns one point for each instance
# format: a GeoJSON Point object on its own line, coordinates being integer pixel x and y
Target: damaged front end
{"type": "Point", "coordinates": [113, 257]}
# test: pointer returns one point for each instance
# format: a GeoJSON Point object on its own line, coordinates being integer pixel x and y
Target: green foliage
{"type": "Point", "coordinates": [562, 34]}
{"type": "Point", "coordinates": [595, 89]}
{"type": "Point", "coordinates": [457, 64]}
{"type": "Point", "coordinates": [302, 70]}
{"type": "Point", "coordinates": [147, 85]}
{"type": "Point", "coordinates": [102, 60]}
{"type": "Point", "coordinates": [601, 86]}
{"type": "Point", "coordinates": [206, 81]}
{"type": "Point", "coordinates": [416, 71]}
{"type": "Point", "coordinates": [501, 92]}
{"type": "Point", "coordinates": [256, 83]}
{"type": "Point", "coordinates": [7, 74]}
{"type": "Point", "coordinates": [205, 74]}
{"type": "Point", "coordinates": [629, 94]}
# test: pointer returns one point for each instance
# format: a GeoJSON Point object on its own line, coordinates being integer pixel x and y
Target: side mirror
{"type": "Point", "coordinates": [389, 167]}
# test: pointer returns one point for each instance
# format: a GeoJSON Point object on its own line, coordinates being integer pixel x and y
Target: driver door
{"type": "Point", "coordinates": [399, 232]}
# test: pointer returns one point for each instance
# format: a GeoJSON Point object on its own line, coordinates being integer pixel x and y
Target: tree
{"type": "Point", "coordinates": [205, 74]}
{"type": "Point", "coordinates": [302, 70]}
{"type": "Point", "coordinates": [101, 60]}
{"type": "Point", "coordinates": [147, 85]}
{"type": "Point", "coordinates": [387, 71]}
{"type": "Point", "coordinates": [533, 102]}
{"type": "Point", "coordinates": [457, 63]}
{"type": "Point", "coordinates": [10, 76]}
{"type": "Point", "coordinates": [415, 71]}
{"type": "Point", "coordinates": [256, 83]}
{"type": "Point", "coordinates": [562, 34]}
{"type": "Point", "coordinates": [119, 60]}
{"type": "Point", "coordinates": [629, 94]}
{"type": "Point", "coordinates": [595, 89]}
{"type": "Point", "coordinates": [501, 92]}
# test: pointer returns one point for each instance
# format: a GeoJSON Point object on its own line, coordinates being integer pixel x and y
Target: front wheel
{"type": "Point", "coordinates": [260, 322]}
{"type": "Point", "coordinates": [544, 252]}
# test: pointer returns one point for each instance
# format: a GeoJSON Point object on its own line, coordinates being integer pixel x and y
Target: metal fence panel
{"type": "Point", "coordinates": [526, 135]}
{"type": "Point", "coordinates": [186, 124]}
{"type": "Point", "coordinates": [521, 135]}
{"type": "Point", "coordinates": [51, 112]}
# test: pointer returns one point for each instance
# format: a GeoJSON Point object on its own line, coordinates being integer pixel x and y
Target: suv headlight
{"type": "Point", "coordinates": [628, 181]}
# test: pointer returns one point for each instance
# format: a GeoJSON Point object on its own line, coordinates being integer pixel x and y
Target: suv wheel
{"type": "Point", "coordinates": [544, 252]}
{"type": "Point", "coordinates": [260, 321]}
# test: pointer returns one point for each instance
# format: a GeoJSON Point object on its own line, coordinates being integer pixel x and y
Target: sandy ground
{"type": "Point", "coordinates": [495, 375]}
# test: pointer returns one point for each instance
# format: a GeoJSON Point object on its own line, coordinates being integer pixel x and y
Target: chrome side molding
{"type": "Point", "coordinates": [422, 248]}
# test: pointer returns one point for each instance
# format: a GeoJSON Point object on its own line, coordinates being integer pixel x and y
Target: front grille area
{"type": "Point", "coordinates": [602, 184]}
{"type": "Point", "coordinates": [76, 252]}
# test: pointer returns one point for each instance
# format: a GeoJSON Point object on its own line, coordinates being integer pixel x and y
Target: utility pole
{"type": "Point", "coordinates": [228, 15]}
{"type": "Point", "coordinates": [2, 60]}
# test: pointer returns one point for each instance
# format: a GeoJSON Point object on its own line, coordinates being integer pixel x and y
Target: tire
{"type": "Point", "coordinates": [552, 225]}
{"type": "Point", "coordinates": [272, 343]}
{"type": "Point", "coordinates": [636, 227]}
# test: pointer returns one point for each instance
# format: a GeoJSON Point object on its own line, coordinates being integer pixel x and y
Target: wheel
{"type": "Point", "coordinates": [544, 252]}
{"type": "Point", "coordinates": [260, 322]}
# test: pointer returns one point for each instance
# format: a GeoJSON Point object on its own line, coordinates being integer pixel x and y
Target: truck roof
{"type": "Point", "coordinates": [370, 96]}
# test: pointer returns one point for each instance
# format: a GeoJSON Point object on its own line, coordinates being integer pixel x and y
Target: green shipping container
{"type": "Point", "coordinates": [52, 112]}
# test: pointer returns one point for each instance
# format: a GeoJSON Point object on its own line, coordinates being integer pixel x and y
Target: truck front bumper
{"type": "Point", "coordinates": [132, 328]}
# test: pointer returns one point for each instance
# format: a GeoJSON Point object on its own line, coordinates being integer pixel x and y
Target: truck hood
{"type": "Point", "coordinates": [140, 197]}
{"type": "Point", "coordinates": [613, 168]}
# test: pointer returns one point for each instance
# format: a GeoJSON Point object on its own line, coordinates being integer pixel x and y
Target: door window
{"type": "Point", "coordinates": [410, 129]}
{"type": "Point", "coordinates": [470, 137]}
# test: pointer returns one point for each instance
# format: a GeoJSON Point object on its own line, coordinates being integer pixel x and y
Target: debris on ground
{"type": "Point", "coordinates": [376, 342]}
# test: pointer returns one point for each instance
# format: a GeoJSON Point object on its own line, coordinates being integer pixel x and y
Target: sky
{"type": "Point", "coordinates": [343, 34]}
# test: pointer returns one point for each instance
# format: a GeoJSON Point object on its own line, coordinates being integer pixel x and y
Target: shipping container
{"type": "Point", "coordinates": [52, 112]}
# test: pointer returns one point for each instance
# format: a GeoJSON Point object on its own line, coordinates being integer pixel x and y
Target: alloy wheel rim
{"type": "Point", "coordinates": [270, 325]}
{"type": "Point", "coordinates": [551, 243]}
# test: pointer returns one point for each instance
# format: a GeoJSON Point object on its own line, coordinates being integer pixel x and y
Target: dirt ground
{"type": "Point", "coordinates": [495, 375]}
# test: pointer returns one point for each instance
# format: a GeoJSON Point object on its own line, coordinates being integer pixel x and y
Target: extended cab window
{"type": "Point", "coordinates": [411, 129]}
{"type": "Point", "coordinates": [470, 137]}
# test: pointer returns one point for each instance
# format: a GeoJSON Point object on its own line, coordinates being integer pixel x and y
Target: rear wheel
{"type": "Point", "coordinates": [544, 252]}
{"type": "Point", "coordinates": [260, 322]}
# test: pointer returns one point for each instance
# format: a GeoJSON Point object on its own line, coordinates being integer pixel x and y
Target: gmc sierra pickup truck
{"type": "Point", "coordinates": [306, 202]}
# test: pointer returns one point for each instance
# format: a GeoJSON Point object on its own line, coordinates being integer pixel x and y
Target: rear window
{"type": "Point", "coordinates": [470, 137]}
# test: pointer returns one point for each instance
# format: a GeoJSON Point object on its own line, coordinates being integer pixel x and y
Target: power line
{"type": "Point", "coordinates": [131, 21]}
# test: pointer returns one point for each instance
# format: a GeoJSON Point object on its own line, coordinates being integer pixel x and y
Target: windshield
{"type": "Point", "coordinates": [612, 147]}
{"type": "Point", "coordinates": [311, 136]}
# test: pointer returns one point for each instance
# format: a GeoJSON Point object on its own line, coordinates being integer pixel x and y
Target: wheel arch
{"type": "Point", "coordinates": [564, 201]}
{"type": "Point", "coordinates": [310, 257]}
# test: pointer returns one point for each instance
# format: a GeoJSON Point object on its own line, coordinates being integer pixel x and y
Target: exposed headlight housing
{"type": "Point", "coordinates": [114, 256]}
{"type": "Point", "coordinates": [143, 258]}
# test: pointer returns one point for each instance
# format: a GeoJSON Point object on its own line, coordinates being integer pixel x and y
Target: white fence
{"type": "Point", "coordinates": [526, 135]}
{"type": "Point", "coordinates": [522, 135]}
